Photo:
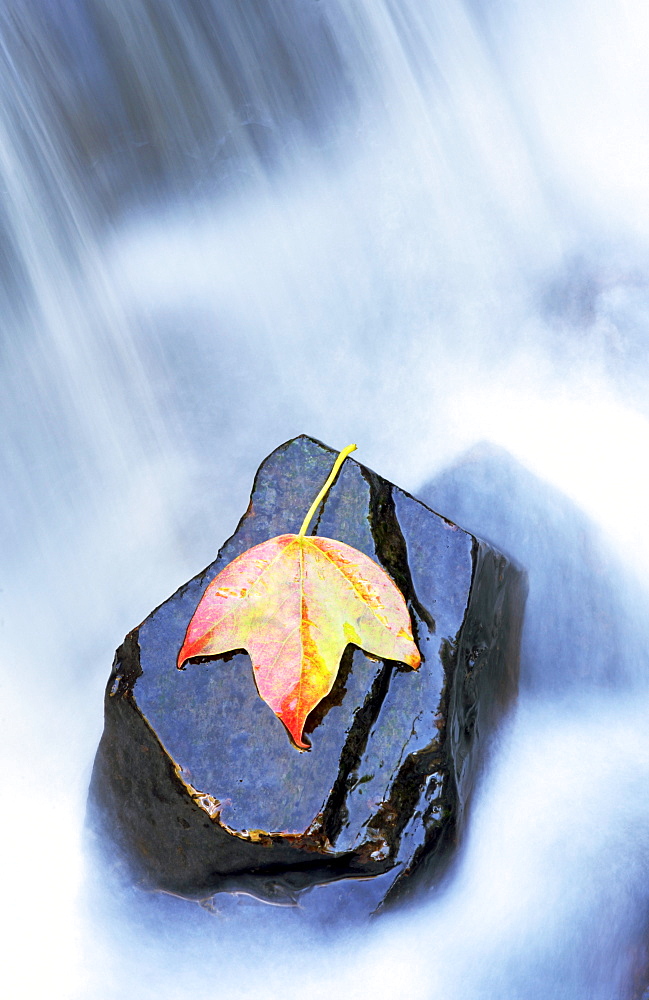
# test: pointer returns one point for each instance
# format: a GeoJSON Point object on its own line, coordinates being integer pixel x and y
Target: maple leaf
{"type": "Point", "coordinates": [294, 603]}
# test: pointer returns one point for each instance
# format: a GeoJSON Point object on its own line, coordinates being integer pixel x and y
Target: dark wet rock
{"type": "Point", "coordinates": [196, 786]}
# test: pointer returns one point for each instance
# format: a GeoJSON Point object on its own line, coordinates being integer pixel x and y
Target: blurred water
{"type": "Point", "coordinates": [418, 226]}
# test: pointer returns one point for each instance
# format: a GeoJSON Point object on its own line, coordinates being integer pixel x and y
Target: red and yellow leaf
{"type": "Point", "coordinates": [294, 603]}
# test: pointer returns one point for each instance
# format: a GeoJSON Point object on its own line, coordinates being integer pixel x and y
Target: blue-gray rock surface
{"type": "Point", "coordinates": [196, 785]}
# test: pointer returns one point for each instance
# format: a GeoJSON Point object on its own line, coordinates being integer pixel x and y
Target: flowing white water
{"type": "Point", "coordinates": [418, 226]}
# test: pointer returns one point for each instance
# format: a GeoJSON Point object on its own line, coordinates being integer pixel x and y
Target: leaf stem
{"type": "Point", "coordinates": [325, 489]}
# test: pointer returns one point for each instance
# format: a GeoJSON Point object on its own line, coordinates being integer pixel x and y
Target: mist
{"type": "Point", "coordinates": [420, 227]}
